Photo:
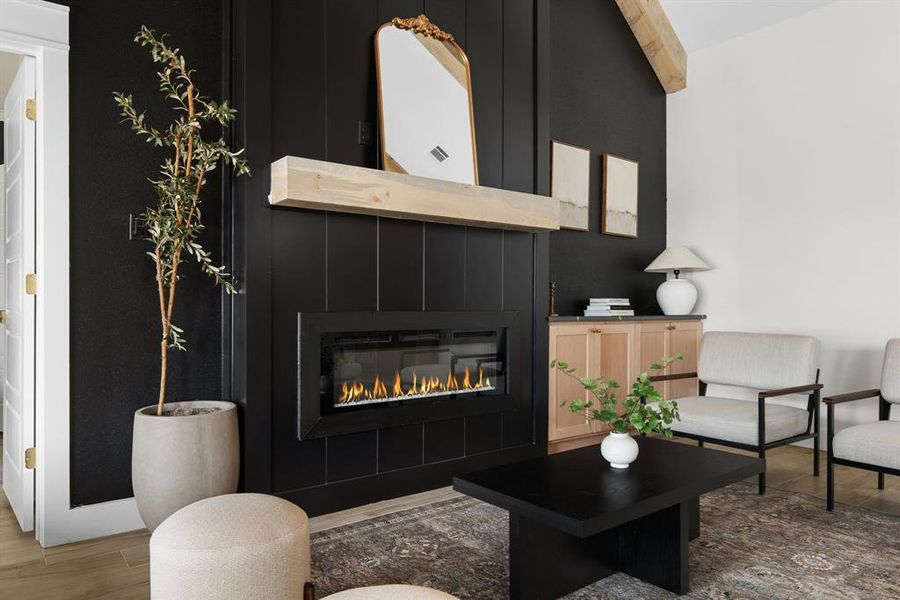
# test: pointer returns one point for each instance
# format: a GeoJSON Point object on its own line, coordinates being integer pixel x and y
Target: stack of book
{"type": "Point", "coordinates": [609, 307]}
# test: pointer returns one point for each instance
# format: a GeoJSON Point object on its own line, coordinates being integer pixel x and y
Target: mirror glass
{"type": "Point", "coordinates": [425, 102]}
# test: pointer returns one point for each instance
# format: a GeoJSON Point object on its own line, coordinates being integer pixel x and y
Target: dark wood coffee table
{"type": "Point", "coordinates": [574, 520]}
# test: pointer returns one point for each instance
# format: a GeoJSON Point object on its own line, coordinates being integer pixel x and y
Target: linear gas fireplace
{"type": "Point", "coordinates": [374, 367]}
{"type": "Point", "coordinates": [360, 371]}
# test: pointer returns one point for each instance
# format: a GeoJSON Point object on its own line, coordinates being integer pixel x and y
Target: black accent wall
{"type": "Point", "coordinates": [605, 96]}
{"type": "Point", "coordinates": [114, 308]}
{"type": "Point", "coordinates": [334, 262]}
{"type": "Point", "coordinates": [302, 75]}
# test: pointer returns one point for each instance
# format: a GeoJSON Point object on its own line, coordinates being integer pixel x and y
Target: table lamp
{"type": "Point", "coordinates": [676, 296]}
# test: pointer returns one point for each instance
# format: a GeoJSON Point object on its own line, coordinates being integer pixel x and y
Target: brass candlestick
{"type": "Point", "coordinates": [553, 299]}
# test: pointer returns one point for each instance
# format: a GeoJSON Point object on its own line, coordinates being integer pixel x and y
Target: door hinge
{"type": "Point", "coordinates": [31, 284]}
{"type": "Point", "coordinates": [31, 109]}
{"type": "Point", "coordinates": [30, 458]}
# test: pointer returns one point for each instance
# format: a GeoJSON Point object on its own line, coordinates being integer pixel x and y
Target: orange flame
{"type": "Point", "coordinates": [420, 386]}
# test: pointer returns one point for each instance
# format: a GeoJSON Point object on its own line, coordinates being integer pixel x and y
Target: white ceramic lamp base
{"type": "Point", "coordinates": [676, 297]}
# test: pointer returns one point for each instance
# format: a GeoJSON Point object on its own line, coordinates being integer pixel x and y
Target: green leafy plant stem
{"type": "Point", "coordinates": [645, 411]}
{"type": "Point", "coordinates": [175, 223]}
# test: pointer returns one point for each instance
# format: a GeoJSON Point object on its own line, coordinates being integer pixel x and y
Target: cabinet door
{"type": "Point", "coordinates": [652, 345]}
{"type": "Point", "coordinates": [593, 349]}
{"type": "Point", "coordinates": [612, 357]}
{"type": "Point", "coordinates": [684, 337]}
{"type": "Point", "coordinates": [571, 344]}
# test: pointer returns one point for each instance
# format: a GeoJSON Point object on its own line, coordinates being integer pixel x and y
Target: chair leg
{"type": "Point", "coordinates": [816, 429]}
{"type": "Point", "coordinates": [880, 480]}
{"type": "Point", "coordinates": [829, 472]}
{"type": "Point", "coordinates": [762, 476]}
{"type": "Point", "coordinates": [829, 461]}
{"type": "Point", "coordinates": [816, 455]}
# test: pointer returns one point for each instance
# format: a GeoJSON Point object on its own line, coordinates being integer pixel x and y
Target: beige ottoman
{"type": "Point", "coordinates": [391, 592]}
{"type": "Point", "coordinates": [236, 546]}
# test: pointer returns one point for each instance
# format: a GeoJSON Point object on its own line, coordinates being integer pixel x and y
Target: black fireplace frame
{"type": "Point", "coordinates": [313, 423]}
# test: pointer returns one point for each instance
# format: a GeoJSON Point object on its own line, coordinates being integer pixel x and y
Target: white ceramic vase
{"type": "Point", "coordinates": [620, 449]}
{"type": "Point", "coordinates": [177, 460]}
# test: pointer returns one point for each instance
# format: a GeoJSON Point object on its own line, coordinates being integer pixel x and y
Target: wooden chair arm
{"type": "Point", "coordinates": [851, 396]}
{"type": "Point", "coordinates": [690, 375]}
{"type": "Point", "coordinates": [791, 390]}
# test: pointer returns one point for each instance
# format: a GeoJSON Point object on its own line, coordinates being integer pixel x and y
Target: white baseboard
{"type": "Point", "coordinates": [93, 521]}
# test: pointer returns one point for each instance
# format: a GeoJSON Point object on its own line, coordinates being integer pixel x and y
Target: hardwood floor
{"type": "Point", "coordinates": [117, 567]}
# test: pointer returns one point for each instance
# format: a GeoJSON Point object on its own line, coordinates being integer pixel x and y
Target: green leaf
{"type": "Point", "coordinates": [588, 383]}
{"type": "Point", "coordinates": [607, 416]}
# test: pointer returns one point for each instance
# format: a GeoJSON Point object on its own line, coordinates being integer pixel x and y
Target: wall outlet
{"type": "Point", "coordinates": [136, 229]}
{"type": "Point", "coordinates": [366, 133]}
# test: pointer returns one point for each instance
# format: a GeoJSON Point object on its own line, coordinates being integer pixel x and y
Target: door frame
{"type": "Point", "coordinates": [41, 29]}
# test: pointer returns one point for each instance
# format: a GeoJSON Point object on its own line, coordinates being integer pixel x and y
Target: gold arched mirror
{"type": "Point", "coordinates": [425, 102]}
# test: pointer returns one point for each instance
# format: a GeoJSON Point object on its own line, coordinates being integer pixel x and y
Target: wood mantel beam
{"type": "Point", "coordinates": [654, 32]}
{"type": "Point", "coordinates": [317, 185]}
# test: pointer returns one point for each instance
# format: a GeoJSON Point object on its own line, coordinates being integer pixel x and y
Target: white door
{"type": "Point", "coordinates": [18, 384]}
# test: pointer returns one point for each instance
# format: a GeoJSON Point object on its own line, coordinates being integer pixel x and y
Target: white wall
{"type": "Point", "coordinates": [784, 174]}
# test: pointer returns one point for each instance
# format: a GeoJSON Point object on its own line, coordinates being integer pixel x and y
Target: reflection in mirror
{"type": "Point", "coordinates": [425, 102]}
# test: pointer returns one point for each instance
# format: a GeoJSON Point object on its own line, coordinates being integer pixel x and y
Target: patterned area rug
{"type": "Point", "coordinates": [781, 545]}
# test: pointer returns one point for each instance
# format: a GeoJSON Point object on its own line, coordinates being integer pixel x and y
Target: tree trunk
{"type": "Point", "coordinates": [163, 365]}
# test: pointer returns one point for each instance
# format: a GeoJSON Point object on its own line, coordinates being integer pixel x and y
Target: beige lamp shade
{"type": "Point", "coordinates": [677, 258]}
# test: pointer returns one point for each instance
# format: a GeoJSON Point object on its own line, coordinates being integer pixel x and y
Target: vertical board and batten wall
{"type": "Point", "coordinates": [301, 261]}
{"type": "Point", "coordinates": [527, 81]}
{"type": "Point", "coordinates": [340, 262]}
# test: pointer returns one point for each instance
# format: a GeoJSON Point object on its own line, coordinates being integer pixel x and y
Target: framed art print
{"type": "Point", "coordinates": [570, 181]}
{"type": "Point", "coordinates": [619, 207]}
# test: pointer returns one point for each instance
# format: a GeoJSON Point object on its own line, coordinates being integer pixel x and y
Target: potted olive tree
{"type": "Point", "coordinates": [645, 411]}
{"type": "Point", "coordinates": [182, 451]}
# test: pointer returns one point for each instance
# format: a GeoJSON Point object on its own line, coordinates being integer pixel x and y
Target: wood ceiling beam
{"type": "Point", "coordinates": [654, 32]}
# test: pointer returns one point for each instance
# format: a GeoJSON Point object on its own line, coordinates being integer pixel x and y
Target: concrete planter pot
{"type": "Point", "coordinates": [177, 460]}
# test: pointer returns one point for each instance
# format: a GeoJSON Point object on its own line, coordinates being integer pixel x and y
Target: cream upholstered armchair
{"type": "Point", "coordinates": [873, 446]}
{"type": "Point", "coordinates": [759, 367]}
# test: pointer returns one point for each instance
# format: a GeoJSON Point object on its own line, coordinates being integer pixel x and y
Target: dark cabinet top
{"type": "Point", "coordinates": [566, 319]}
{"type": "Point", "coordinates": [579, 493]}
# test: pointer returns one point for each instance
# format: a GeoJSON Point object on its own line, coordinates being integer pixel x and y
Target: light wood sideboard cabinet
{"type": "Point", "coordinates": [616, 349]}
